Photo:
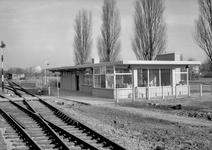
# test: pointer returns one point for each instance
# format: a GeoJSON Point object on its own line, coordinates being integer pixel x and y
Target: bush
{"type": "Point", "coordinates": [206, 74]}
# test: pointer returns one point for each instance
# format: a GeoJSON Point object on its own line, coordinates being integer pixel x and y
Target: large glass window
{"type": "Point", "coordinates": [181, 79]}
{"type": "Point", "coordinates": [123, 77]}
{"type": "Point", "coordinates": [110, 81]}
{"type": "Point", "coordinates": [104, 77]}
{"type": "Point", "coordinates": [97, 82]}
{"type": "Point", "coordinates": [165, 77]}
{"type": "Point", "coordinates": [154, 77]}
{"type": "Point", "coordinates": [103, 70]}
{"type": "Point", "coordinates": [97, 70]}
{"type": "Point", "coordinates": [124, 81]}
{"type": "Point", "coordinates": [123, 70]}
{"type": "Point", "coordinates": [181, 76]}
{"type": "Point", "coordinates": [109, 70]}
{"type": "Point", "coordinates": [87, 79]}
{"type": "Point", "coordinates": [142, 77]}
{"type": "Point", "coordinates": [103, 81]}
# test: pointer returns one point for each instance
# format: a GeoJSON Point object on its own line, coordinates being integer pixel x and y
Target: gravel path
{"type": "Point", "coordinates": [163, 116]}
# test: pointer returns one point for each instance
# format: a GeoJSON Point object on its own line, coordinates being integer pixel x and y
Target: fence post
{"type": "Point", "coordinates": [148, 93]}
{"type": "Point", "coordinates": [200, 89]}
{"type": "Point", "coordinates": [189, 94]}
{"type": "Point", "coordinates": [162, 92]}
{"type": "Point", "coordinates": [133, 92]}
{"type": "Point", "coordinates": [117, 95]}
{"type": "Point", "coordinates": [49, 90]}
{"type": "Point", "coordinates": [175, 91]}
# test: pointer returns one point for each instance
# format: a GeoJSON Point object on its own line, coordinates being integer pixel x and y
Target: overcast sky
{"type": "Point", "coordinates": [36, 31]}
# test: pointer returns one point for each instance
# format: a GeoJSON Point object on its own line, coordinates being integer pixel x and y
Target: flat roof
{"type": "Point", "coordinates": [129, 62]}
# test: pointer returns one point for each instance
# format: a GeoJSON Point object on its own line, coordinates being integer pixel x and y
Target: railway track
{"type": "Point", "coordinates": [39, 125]}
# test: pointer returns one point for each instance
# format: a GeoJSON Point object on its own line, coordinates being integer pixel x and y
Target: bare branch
{"type": "Point", "coordinates": [82, 40]}
{"type": "Point", "coordinates": [108, 43]}
{"type": "Point", "coordinates": [203, 27]}
{"type": "Point", "coordinates": [149, 29]}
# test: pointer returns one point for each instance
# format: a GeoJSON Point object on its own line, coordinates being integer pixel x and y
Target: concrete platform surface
{"type": "Point", "coordinates": [75, 96]}
{"type": "Point", "coordinates": [81, 97]}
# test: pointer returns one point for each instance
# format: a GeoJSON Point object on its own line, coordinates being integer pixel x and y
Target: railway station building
{"type": "Point", "coordinates": [166, 75]}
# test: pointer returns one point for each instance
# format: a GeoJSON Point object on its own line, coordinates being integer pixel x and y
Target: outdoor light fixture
{"type": "Point", "coordinates": [186, 66]}
{"type": "Point", "coordinates": [46, 64]}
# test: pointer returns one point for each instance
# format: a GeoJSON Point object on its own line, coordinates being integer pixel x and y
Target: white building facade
{"type": "Point", "coordinates": [128, 78]}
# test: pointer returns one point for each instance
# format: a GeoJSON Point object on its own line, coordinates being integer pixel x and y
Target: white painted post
{"type": "Point", "coordinates": [148, 92]}
{"type": "Point", "coordinates": [175, 91]}
{"type": "Point", "coordinates": [162, 92]}
{"type": "Point", "coordinates": [117, 95]}
{"type": "Point", "coordinates": [49, 90]}
{"type": "Point", "coordinates": [189, 94]}
{"type": "Point", "coordinates": [159, 77]}
{"type": "Point", "coordinates": [133, 92]}
{"type": "Point", "coordinates": [200, 89]}
{"type": "Point", "coordinates": [187, 76]}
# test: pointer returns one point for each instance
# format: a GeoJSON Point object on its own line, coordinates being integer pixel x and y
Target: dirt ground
{"type": "Point", "coordinates": [183, 124]}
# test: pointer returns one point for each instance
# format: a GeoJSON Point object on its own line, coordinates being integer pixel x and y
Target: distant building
{"type": "Point", "coordinates": [18, 76]}
{"type": "Point", "coordinates": [8, 75]}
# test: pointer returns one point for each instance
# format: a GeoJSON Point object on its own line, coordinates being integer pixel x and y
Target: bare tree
{"type": "Point", "coordinates": [203, 28]}
{"type": "Point", "coordinates": [82, 39]}
{"type": "Point", "coordinates": [207, 65]}
{"type": "Point", "coordinates": [109, 44]}
{"type": "Point", "coordinates": [149, 29]}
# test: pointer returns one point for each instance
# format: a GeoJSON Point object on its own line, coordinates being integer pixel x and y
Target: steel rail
{"type": "Point", "coordinates": [71, 121]}
{"type": "Point", "coordinates": [73, 137]}
{"type": "Point", "coordinates": [20, 130]}
{"type": "Point", "coordinates": [21, 88]}
{"type": "Point", "coordinates": [59, 130]}
{"type": "Point", "coordinates": [42, 123]}
{"type": "Point", "coordinates": [24, 100]}
{"type": "Point", "coordinates": [64, 133]}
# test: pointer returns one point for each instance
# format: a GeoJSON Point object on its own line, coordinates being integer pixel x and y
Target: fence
{"type": "Point", "coordinates": [51, 82]}
{"type": "Point", "coordinates": [159, 92]}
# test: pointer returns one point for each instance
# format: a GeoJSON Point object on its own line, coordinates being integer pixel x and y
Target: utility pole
{"type": "Point", "coordinates": [2, 64]}
{"type": "Point", "coordinates": [46, 63]}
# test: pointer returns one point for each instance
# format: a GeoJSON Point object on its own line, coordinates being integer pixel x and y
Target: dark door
{"type": "Point", "coordinates": [77, 82]}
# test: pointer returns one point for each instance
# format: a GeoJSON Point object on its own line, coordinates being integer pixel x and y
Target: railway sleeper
{"type": "Point", "coordinates": [43, 142]}
{"type": "Point", "coordinates": [17, 140]}
{"type": "Point", "coordinates": [21, 148]}
{"type": "Point", "coordinates": [39, 138]}
{"type": "Point", "coordinates": [10, 131]}
{"type": "Point", "coordinates": [48, 146]}
{"type": "Point", "coordinates": [35, 134]}
{"type": "Point", "coordinates": [19, 144]}
{"type": "Point", "coordinates": [12, 137]}
{"type": "Point", "coordinates": [35, 131]}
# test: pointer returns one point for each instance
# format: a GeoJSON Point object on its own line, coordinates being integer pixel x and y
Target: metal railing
{"type": "Point", "coordinates": [153, 92]}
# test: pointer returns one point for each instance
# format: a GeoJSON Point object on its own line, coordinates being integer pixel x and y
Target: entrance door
{"type": "Point", "coordinates": [77, 82]}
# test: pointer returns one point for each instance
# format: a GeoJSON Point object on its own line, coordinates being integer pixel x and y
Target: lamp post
{"type": "Point", "coordinates": [46, 63]}
{"type": "Point", "coordinates": [2, 64]}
